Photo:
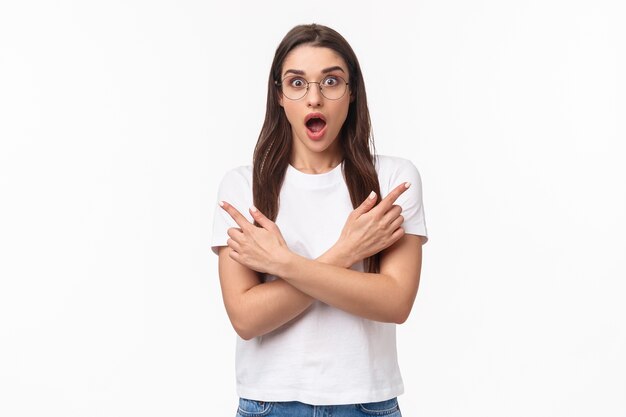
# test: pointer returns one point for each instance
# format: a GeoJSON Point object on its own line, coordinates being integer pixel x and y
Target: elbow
{"type": "Point", "coordinates": [243, 333]}
{"type": "Point", "coordinates": [397, 315]}
{"type": "Point", "coordinates": [401, 316]}
{"type": "Point", "coordinates": [402, 312]}
{"type": "Point", "coordinates": [246, 327]}
{"type": "Point", "coordinates": [246, 336]}
{"type": "Point", "coordinates": [403, 308]}
{"type": "Point", "coordinates": [243, 329]}
{"type": "Point", "coordinates": [241, 322]}
{"type": "Point", "coordinates": [244, 322]}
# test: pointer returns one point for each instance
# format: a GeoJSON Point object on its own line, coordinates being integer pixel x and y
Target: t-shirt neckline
{"type": "Point", "coordinates": [302, 179]}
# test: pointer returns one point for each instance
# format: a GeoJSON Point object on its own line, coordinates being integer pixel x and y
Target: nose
{"type": "Point", "coordinates": [314, 95]}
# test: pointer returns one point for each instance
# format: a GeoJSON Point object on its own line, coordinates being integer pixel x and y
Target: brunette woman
{"type": "Point", "coordinates": [316, 268]}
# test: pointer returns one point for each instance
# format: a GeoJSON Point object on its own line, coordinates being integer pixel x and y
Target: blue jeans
{"type": "Point", "coordinates": [253, 408]}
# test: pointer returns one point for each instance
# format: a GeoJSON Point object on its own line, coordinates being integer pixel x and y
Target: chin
{"type": "Point", "coordinates": [319, 146]}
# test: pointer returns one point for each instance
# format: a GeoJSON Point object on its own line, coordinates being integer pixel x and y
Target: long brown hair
{"type": "Point", "coordinates": [273, 148]}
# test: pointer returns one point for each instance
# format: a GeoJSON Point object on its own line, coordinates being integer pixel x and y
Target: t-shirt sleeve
{"type": "Point", "coordinates": [411, 199]}
{"type": "Point", "coordinates": [236, 189]}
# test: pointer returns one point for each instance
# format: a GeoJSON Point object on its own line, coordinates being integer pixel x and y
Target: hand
{"type": "Point", "coordinates": [261, 249]}
{"type": "Point", "coordinates": [369, 229]}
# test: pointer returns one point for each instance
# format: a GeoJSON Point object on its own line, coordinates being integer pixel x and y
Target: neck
{"type": "Point", "coordinates": [311, 162]}
{"type": "Point", "coordinates": [314, 163]}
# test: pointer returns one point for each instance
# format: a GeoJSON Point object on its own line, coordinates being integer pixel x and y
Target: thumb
{"type": "Point", "coordinates": [262, 220]}
{"type": "Point", "coordinates": [366, 205]}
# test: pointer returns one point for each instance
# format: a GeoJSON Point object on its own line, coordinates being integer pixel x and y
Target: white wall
{"type": "Point", "coordinates": [118, 119]}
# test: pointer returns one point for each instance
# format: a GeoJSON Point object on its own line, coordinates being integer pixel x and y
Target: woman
{"type": "Point", "coordinates": [317, 333]}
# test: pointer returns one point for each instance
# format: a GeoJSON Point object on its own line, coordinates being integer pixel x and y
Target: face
{"type": "Point", "coordinates": [319, 136]}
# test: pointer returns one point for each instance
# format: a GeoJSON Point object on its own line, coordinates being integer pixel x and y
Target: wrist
{"type": "Point", "coordinates": [282, 263]}
{"type": "Point", "coordinates": [340, 254]}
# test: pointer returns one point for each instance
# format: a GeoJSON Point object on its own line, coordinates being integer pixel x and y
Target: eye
{"type": "Point", "coordinates": [296, 82]}
{"type": "Point", "coordinates": [331, 81]}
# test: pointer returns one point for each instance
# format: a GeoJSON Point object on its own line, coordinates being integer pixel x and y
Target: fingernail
{"type": "Point", "coordinates": [372, 195]}
{"type": "Point", "coordinates": [221, 204]}
{"type": "Point", "coordinates": [407, 184]}
{"type": "Point", "coordinates": [253, 209]}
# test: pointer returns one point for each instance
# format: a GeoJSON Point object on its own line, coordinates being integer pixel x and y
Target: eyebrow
{"type": "Point", "coordinates": [324, 71]}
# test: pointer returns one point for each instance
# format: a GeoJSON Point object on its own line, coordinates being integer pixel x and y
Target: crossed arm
{"type": "Point", "coordinates": [256, 308]}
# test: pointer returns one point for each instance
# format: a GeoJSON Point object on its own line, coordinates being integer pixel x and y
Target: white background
{"type": "Point", "coordinates": [119, 118]}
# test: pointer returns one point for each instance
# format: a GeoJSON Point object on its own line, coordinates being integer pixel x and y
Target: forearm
{"type": "Point", "coordinates": [386, 297]}
{"type": "Point", "coordinates": [267, 306]}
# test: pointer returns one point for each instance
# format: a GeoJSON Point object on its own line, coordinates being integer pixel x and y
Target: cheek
{"type": "Point", "coordinates": [290, 113]}
{"type": "Point", "coordinates": [342, 113]}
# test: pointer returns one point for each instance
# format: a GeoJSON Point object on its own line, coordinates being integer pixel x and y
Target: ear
{"type": "Point", "coordinates": [352, 97]}
{"type": "Point", "coordinates": [279, 95]}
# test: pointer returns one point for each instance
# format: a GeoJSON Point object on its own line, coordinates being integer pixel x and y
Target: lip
{"type": "Point", "coordinates": [315, 135]}
{"type": "Point", "coordinates": [314, 115]}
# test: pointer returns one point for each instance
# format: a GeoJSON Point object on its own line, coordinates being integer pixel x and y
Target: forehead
{"type": "Point", "coordinates": [312, 60]}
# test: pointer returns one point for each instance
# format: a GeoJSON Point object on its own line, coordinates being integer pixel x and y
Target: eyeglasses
{"type": "Point", "coordinates": [295, 87]}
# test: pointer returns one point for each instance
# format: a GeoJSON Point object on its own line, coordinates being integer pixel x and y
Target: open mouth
{"type": "Point", "coordinates": [315, 124]}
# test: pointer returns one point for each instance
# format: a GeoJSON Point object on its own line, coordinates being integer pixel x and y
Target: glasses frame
{"type": "Point", "coordinates": [308, 84]}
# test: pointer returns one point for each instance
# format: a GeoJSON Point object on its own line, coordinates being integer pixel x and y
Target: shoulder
{"type": "Point", "coordinates": [236, 186]}
{"type": "Point", "coordinates": [391, 167]}
{"type": "Point", "coordinates": [240, 176]}
{"type": "Point", "coordinates": [390, 163]}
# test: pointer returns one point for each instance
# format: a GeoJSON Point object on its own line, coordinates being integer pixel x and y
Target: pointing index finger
{"type": "Point", "coordinates": [388, 201]}
{"type": "Point", "coordinates": [234, 213]}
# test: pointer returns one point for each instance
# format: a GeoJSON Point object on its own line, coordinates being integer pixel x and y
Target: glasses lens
{"type": "Point", "coordinates": [294, 88]}
{"type": "Point", "coordinates": [333, 87]}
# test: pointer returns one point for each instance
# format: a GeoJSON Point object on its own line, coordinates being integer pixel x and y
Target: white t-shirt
{"type": "Point", "coordinates": [325, 356]}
